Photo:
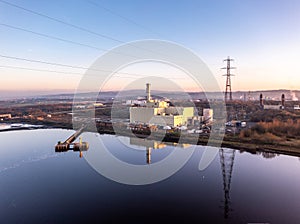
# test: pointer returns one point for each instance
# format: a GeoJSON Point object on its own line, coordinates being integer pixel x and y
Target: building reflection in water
{"type": "Point", "coordinates": [152, 144]}
{"type": "Point", "coordinates": [227, 160]}
{"type": "Point", "coordinates": [267, 155]}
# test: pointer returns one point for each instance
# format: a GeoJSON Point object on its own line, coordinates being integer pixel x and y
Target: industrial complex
{"type": "Point", "coordinates": [159, 112]}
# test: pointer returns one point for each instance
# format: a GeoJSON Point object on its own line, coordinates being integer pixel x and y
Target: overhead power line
{"type": "Point", "coordinates": [61, 39]}
{"type": "Point", "coordinates": [55, 71]}
{"type": "Point", "coordinates": [127, 74]}
{"type": "Point", "coordinates": [65, 65]}
{"type": "Point", "coordinates": [62, 65]}
{"type": "Point", "coordinates": [122, 17]}
{"type": "Point", "coordinates": [51, 37]}
{"type": "Point", "coordinates": [68, 66]}
{"type": "Point", "coordinates": [43, 62]}
{"type": "Point", "coordinates": [68, 73]}
{"type": "Point", "coordinates": [39, 70]}
{"type": "Point", "coordinates": [62, 22]}
{"type": "Point", "coordinates": [74, 26]}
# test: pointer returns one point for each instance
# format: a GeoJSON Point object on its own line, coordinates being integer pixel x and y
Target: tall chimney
{"type": "Point", "coordinates": [282, 100]}
{"type": "Point", "coordinates": [261, 100]}
{"type": "Point", "coordinates": [148, 92]}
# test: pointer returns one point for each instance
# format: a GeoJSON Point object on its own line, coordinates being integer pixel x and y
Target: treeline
{"type": "Point", "coordinates": [271, 115]}
{"type": "Point", "coordinates": [274, 131]}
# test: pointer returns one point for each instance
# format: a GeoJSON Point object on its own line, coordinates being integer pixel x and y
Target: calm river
{"type": "Point", "coordinates": [38, 185]}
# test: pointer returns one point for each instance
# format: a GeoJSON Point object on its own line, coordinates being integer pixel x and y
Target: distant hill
{"type": "Point", "coordinates": [133, 94]}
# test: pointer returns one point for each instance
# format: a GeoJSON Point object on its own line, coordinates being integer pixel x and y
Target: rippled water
{"type": "Point", "coordinates": [38, 185]}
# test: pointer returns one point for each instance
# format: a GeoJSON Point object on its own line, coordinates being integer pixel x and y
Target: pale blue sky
{"type": "Point", "coordinates": [263, 36]}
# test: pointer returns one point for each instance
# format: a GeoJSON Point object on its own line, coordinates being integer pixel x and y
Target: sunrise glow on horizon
{"type": "Point", "coordinates": [262, 37]}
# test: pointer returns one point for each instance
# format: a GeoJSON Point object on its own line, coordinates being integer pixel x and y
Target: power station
{"type": "Point", "coordinates": [158, 112]}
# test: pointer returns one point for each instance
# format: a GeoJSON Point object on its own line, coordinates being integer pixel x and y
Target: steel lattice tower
{"type": "Point", "coordinates": [228, 80]}
{"type": "Point", "coordinates": [227, 160]}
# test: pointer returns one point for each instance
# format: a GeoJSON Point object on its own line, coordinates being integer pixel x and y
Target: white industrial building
{"type": "Point", "coordinates": [296, 107]}
{"type": "Point", "coordinates": [208, 115]}
{"type": "Point", "coordinates": [5, 116]}
{"type": "Point", "coordinates": [136, 102]}
{"type": "Point", "coordinates": [272, 107]}
{"type": "Point", "coordinates": [160, 113]}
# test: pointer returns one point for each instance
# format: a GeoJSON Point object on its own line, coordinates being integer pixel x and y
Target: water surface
{"type": "Point", "coordinates": [38, 185]}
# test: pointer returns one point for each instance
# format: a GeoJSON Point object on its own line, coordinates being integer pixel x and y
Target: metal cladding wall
{"type": "Point", "coordinates": [163, 120]}
{"type": "Point", "coordinates": [172, 116]}
{"type": "Point", "coordinates": [179, 120]}
{"type": "Point", "coordinates": [149, 116]}
{"type": "Point", "coordinates": [141, 114]}
{"type": "Point", "coordinates": [188, 112]}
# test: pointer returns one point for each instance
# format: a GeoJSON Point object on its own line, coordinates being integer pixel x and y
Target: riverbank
{"type": "Point", "coordinates": [14, 127]}
{"type": "Point", "coordinates": [291, 147]}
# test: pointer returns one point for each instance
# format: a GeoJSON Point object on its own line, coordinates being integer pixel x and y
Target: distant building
{"type": "Point", "coordinates": [296, 107]}
{"type": "Point", "coordinates": [80, 107]}
{"type": "Point", "coordinates": [208, 114]}
{"type": "Point", "coordinates": [160, 113]}
{"type": "Point", "coordinates": [272, 107]}
{"type": "Point", "coordinates": [5, 116]}
{"type": "Point", "coordinates": [207, 118]}
{"type": "Point", "coordinates": [98, 104]}
{"type": "Point", "coordinates": [136, 102]}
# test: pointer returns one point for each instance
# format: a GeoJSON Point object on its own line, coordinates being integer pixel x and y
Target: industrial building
{"type": "Point", "coordinates": [208, 115]}
{"type": "Point", "coordinates": [272, 107]}
{"type": "Point", "coordinates": [5, 116]}
{"type": "Point", "coordinates": [296, 107]}
{"type": "Point", "coordinates": [160, 113]}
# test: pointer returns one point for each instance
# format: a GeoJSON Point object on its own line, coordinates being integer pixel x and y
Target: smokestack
{"type": "Point", "coordinates": [282, 100]}
{"type": "Point", "coordinates": [261, 100]}
{"type": "Point", "coordinates": [148, 92]}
